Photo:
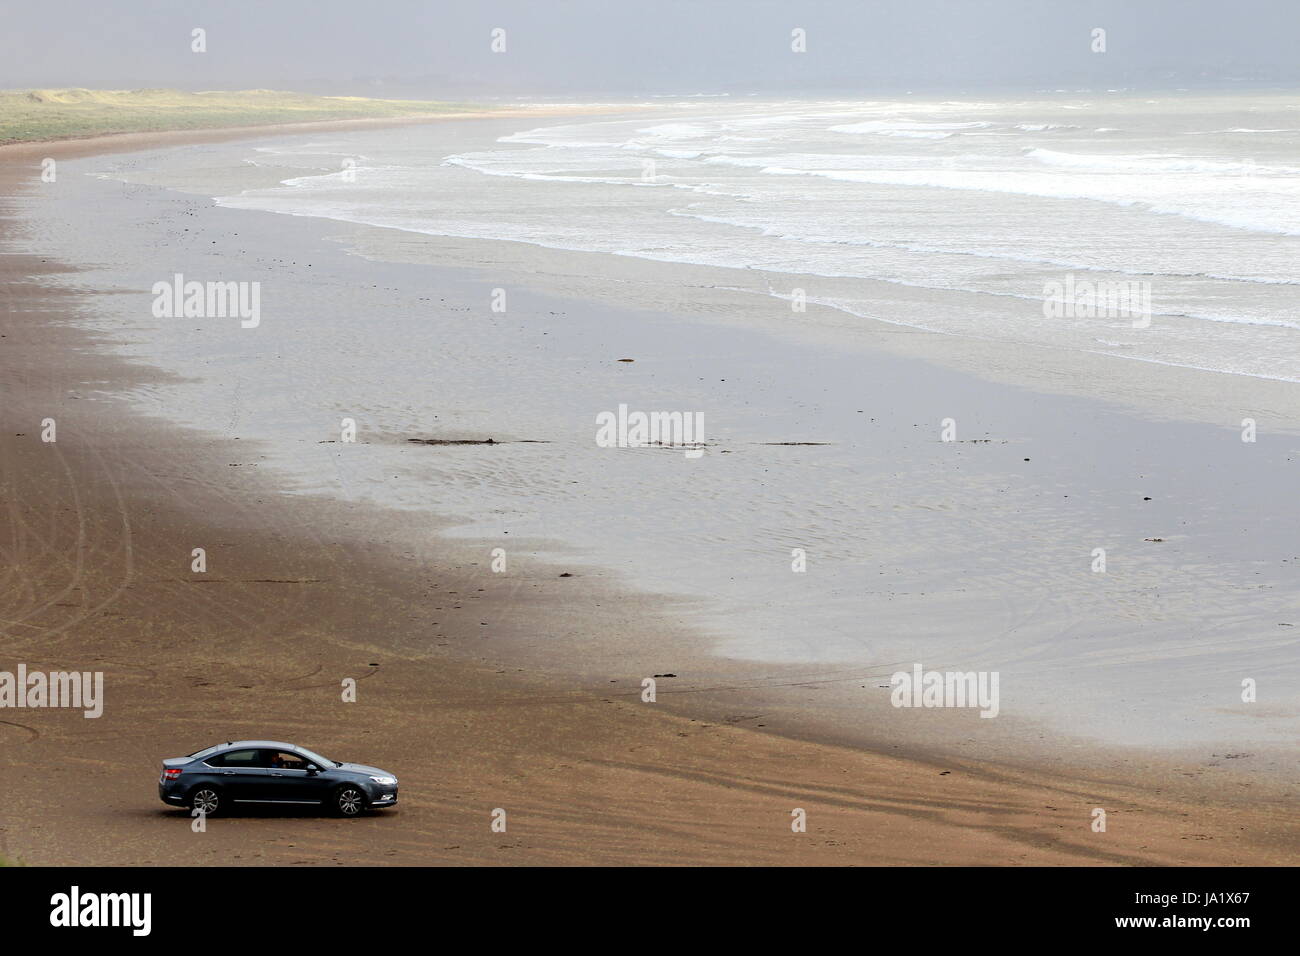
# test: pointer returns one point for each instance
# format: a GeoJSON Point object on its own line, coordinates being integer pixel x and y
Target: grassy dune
{"type": "Point", "coordinates": [32, 115]}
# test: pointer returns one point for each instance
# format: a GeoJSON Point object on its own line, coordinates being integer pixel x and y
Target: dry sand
{"type": "Point", "coordinates": [302, 593]}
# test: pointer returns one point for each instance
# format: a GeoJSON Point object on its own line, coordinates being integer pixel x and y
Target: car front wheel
{"type": "Point", "coordinates": [349, 801]}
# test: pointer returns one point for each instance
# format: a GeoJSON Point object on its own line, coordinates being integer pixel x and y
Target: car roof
{"type": "Point", "coordinates": [273, 744]}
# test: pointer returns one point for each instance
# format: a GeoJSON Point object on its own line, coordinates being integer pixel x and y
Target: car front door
{"type": "Point", "coordinates": [291, 781]}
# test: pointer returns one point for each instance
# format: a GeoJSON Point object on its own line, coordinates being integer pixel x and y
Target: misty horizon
{"type": "Point", "coordinates": [408, 49]}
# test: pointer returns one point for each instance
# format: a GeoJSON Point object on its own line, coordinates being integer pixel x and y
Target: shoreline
{"type": "Point", "coordinates": [135, 463]}
{"type": "Point", "coordinates": [129, 141]}
{"type": "Point", "coordinates": [1209, 573]}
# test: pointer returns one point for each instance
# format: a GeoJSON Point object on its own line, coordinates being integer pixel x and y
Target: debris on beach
{"type": "Point", "coordinates": [477, 441]}
{"type": "Point", "coordinates": [453, 441]}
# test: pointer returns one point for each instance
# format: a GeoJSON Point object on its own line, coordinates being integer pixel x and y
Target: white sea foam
{"type": "Point", "coordinates": [1156, 164]}
{"type": "Point", "coordinates": [961, 198]}
{"type": "Point", "coordinates": [893, 128]}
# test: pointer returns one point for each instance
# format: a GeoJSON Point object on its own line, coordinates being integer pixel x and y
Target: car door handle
{"type": "Point", "coordinates": [277, 775]}
{"type": "Point", "coordinates": [227, 773]}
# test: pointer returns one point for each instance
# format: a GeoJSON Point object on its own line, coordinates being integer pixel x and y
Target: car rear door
{"type": "Point", "coordinates": [242, 774]}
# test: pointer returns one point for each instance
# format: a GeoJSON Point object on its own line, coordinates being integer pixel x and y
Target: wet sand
{"type": "Point", "coordinates": [303, 592]}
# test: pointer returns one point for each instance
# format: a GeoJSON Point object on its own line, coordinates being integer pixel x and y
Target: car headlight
{"type": "Point", "coordinates": [385, 781]}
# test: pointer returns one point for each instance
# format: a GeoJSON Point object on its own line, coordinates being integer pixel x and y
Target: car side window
{"type": "Point", "coordinates": [237, 758]}
{"type": "Point", "coordinates": [284, 760]}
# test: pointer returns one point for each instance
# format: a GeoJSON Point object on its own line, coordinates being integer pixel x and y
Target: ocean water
{"type": "Point", "coordinates": [951, 216]}
{"type": "Point", "coordinates": [1195, 198]}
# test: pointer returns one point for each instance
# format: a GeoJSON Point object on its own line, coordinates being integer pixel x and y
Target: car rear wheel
{"type": "Point", "coordinates": [207, 800]}
{"type": "Point", "coordinates": [349, 801]}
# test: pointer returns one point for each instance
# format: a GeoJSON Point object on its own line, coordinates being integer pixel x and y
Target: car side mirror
{"type": "Point", "coordinates": [312, 768]}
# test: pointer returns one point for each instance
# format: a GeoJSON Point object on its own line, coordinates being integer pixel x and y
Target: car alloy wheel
{"type": "Point", "coordinates": [206, 801]}
{"type": "Point", "coordinates": [350, 802]}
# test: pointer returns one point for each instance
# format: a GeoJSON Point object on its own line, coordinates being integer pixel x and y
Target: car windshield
{"type": "Point", "coordinates": [317, 759]}
{"type": "Point", "coordinates": [206, 751]}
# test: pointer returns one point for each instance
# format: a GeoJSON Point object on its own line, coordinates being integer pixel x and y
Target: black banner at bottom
{"type": "Point", "coordinates": [1002, 904]}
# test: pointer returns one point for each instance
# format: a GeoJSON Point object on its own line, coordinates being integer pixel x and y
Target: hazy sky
{"type": "Point", "coordinates": [442, 47]}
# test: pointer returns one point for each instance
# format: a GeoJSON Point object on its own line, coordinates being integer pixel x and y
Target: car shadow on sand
{"type": "Point", "coordinates": [274, 811]}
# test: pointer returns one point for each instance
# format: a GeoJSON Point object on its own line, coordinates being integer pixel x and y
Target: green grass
{"type": "Point", "coordinates": [5, 861]}
{"type": "Point", "coordinates": [35, 115]}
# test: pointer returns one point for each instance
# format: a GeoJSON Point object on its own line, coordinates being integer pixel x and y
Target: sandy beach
{"type": "Point", "coordinates": [522, 690]}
